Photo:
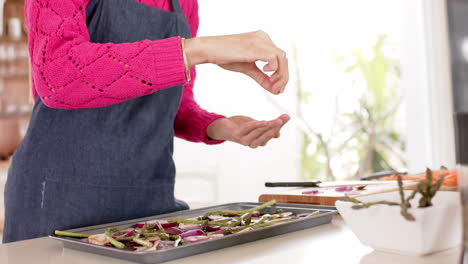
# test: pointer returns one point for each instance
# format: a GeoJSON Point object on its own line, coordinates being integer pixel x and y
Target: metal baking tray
{"type": "Point", "coordinates": [325, 216]}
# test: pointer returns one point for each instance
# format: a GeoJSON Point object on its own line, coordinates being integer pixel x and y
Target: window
{"type": "Point", "coordinates": [323, 40]}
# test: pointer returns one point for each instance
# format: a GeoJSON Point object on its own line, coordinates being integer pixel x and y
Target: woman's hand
{"type": "Point", "coordinates": [239, 53]}
{"type": "Point", "coordinates": [245, 130]}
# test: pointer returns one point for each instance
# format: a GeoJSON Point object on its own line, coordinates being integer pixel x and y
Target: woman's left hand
{"type": "Point", "coordinates": [245, 130]}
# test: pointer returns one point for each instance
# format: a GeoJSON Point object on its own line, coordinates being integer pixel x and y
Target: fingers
{"type": "Point", "coordinates": [254, 134]}
{"type": "Point", "coordinates": [263, 139]}
{"type": "Point", "coordinates": [260, 77]}
{"type": "Point", "coordinates": [281, 77]}
{"type": "Point", "coordinates": [249, 127]}
{"type": "Point", "coordinates": [273, 132]}
{"type": "Point", "coordinates": [285, 118]}
{"type": "Point", "coordinates": [277, 82]}
{"type": "Point", "coordinates": [272, 62]}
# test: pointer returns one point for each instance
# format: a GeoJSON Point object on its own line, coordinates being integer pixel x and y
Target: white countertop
{"type": "Point", "coordinates": [332, 243]}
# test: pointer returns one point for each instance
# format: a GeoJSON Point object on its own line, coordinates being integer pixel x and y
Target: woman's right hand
{"type": "Point", "coordinates": [239, 53]}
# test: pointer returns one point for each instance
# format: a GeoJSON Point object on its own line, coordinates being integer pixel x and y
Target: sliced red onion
{"type": "Point", "coordinates": [286, 214]}
{"type": "Point", "coordinates": [216, 217]}
{"type": "Point", "coordinates": [215, 235]}
{"type": "Point", "coordinates": [190, 233]}
{"type": "Point", "coordinates": [173, 230]}
{"type": "Point", "coordinates": [194, 239]}
{"type": "Point", "coordinates": [182, 225]}
{"type": "Point", "coordinates": [154, 247]}
{"type": "Point", "coordinates": [212, 228]}
{"type": "Point", "coordinates": [139, 249]}
{"type": "Point", "coordinates": [154, 239]}
{"type": "Point", "coordinates": [142, 224]}
{"type": "Point", "coordinates": [124, 231]}
{"type": "Point", "coordinates": [219, 231]}
{"type": "Point", "coordinates": [230, 215]}
{"type": "Point", "coordinates": [192, 227]}
{"type": "Point", "coordinates": [166, 242]}
{"type": "Point", "coordinates": [130, 233]}
{"type": "Point", "coordinates": [169, 224]}
{"type": "Point", "coordinates": [98, 239]}
{"type": "Point", "coordinates": [163, 246]}
{"type": "Point", "coordinates": [163, 223]}
{"type": "Point", "coordinates": [303, 215]}
{"type": "Point", "coordinates": [245, 230]}
{"type": "Point", "coordinates": [255, 214]}
{"type": "Point", "coordinates": [311, 192]}
{"type": "Point", "coordinates": [344, 188]}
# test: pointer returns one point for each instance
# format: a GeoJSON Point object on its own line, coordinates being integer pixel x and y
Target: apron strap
{"type": "Point", "coordinates": [176, 6]}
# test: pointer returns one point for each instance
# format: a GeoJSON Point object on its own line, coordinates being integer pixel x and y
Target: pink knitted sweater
{"type": "Point", "coordinates": [69, 72]}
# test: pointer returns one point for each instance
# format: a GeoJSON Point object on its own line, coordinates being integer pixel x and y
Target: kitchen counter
{"type": "Point", "coordinates": [332, 243]}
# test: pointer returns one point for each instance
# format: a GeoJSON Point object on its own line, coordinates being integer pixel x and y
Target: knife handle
{"type": "Point", "coordinates": [293, 184]}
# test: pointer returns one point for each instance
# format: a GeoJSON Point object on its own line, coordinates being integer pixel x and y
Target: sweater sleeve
{"type": "Point", "coordinates": [191, 120]}
{"type": "Point", "coordinates": [70, 72]}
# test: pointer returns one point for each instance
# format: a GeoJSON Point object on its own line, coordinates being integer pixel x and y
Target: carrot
{"type": "Point", "coordinates": [451, 177]}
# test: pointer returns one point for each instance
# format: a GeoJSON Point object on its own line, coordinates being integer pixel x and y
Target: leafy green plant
{"type": "Point", "coordinates": [427, 188]}
{"type": "Point", "coordinates": [368, 131]}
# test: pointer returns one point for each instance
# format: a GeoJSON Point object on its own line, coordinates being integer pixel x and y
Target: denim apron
{"type": "Point", "coordinates": [91, 166]}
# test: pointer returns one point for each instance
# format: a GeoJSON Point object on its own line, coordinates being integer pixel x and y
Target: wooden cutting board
{"type": "Point", "coordinates": [328, 195]}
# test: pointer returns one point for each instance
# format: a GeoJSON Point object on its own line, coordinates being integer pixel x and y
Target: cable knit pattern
{"type": "Point", "coordinates": [70, 72]}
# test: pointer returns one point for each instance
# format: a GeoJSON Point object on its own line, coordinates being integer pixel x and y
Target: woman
{"type": "Point", "coordinates": [113, 83]}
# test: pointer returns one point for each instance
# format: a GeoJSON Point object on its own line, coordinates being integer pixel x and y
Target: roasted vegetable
{"type": "Point", "coordinates": [162, 234]}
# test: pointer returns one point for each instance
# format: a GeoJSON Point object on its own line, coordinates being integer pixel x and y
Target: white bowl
{"type": "Point", "coordinates": [382, 227]}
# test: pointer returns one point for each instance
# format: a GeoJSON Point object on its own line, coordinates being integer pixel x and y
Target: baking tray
{"type": "Point", "coordinates": [325, 216]}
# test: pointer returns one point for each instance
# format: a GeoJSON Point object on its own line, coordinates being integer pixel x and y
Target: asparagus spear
{"type": "Point", "coordinates": [160, 227]}
{"type": "Point", "coordinates": [367, 205]}
{"type": "Point", "coordinates": [236, 223]}
{"type": "Point", "coordinates": [201, 222]}
{"type": "Point", "coordinates": [259, 225]}
{"type": "Point", "coordinates": [161, 235]}
{"type": "Point", "coordinates": [240, 212]}
{"type": "Point", "coordinates": [315, 213]}
{"type": "Point", "coordinates": [70, 234]}
{"type": "Point", "coordinates": [404, 203]}
{"type": "Point", "coordinates": [125, 238]}
{"type": "Point", "coordinates": [177, 241]}
{"type": "Point", "coordinates": [113, 241]}
{"type": "Point", "coordinates": [246, 219]}
{"type": "Point", "coordinates": [143, 242]}
{"type": "Point", "coordinates": [205, 225]}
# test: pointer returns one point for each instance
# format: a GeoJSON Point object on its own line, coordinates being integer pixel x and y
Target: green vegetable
{"type": "Point", "coordinates": [70, 234]}
{"type": "Point", "coordinates": [161, 228]}
{"type": "Point", "coordinates": [247, 218]}
{"type": "Point", "coordinates": [405, 204]}
{"type": "Point", "coordinates": [315, 213]}
{"type": "Point", "coordinates": [177, 241]}
{"type": "Point", "coordinates": [205, 225]}
{"type": "Point", "coordinates": [240, 212]}
{"type": "Point", "coordinates": [201, 222]}
{"type": "Point", "coordinates": [426, 188]}
{"type": "Point", "coordinates": [113, 241]}
{"type": "Point", "coordinates": [259, 225]}
{"type": "Point", "coordinates": [161, 235]}
{"type": "Point", "coordinates": [142, 242]}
